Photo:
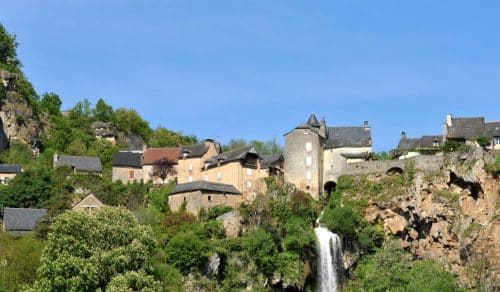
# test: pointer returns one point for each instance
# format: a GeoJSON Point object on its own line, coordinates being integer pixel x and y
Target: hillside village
{"type": "Point", "coordinates": [94, 199]}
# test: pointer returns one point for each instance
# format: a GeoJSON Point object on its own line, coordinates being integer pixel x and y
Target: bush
{"type": "Point", "coordinates": [187, 251]}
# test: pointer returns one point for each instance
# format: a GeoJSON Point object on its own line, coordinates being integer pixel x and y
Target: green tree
{"type": "Point", "coordinates": [51, 104]}
{"type": "Point", "coordinates": [17, 153]}
{"type": "Point", "coordinates": [187, 251]}
{"type": "Point", "coordinates": [133, 282]}
{"type": "Point", "coordinates": [87, 252]}
{"type": "Point", "coordinates": [130, 122]}
{"type": "Point", "coordinates": [103, 112]}
{"type": "Point", "coordinates": [163, 137]}
{"type": "Point", "coordinates": [8, 45]}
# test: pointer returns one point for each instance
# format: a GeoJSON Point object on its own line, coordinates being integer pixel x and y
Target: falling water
{"type": "Point", "coordinates": [330, 262]}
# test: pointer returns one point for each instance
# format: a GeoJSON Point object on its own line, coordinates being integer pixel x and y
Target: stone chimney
{"type": "Point", "coordinates": [448, 120]}
{"type": "Point", "coordinates": [322, 128]}
{"type": "Point", "coordinates": [366, 126]}
{"type": "Point", "coordinates": [403, 135]}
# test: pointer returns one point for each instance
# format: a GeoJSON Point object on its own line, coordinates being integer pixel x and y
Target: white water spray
{"type": "Point", "coordinates": [330, 262]}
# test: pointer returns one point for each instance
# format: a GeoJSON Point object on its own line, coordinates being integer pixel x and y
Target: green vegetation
{"type": "Point", "coordinates": [453, 146]}
{"type": "Point", "coordinates": [391, 269]}
{"type": "Point", "coordinates": [450, 196]}
{"type": "Point", "coordinates": [262, 147]}
{"type": "Point", "coordinates": [19, 260]}
{"type": "Point", "coordinates": [494, 167]}
{"type": "Point", "coordinates": [86, 252]}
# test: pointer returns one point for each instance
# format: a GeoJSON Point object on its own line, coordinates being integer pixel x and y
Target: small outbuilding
{"type": "Point", "coordinates": [127, 166]}
{"type": "Point", "coordinates": [88, 204]}
{"type": "Point", "coordinates": [21, 219]}
{"type": "Point", "coordinates": [8, 172]}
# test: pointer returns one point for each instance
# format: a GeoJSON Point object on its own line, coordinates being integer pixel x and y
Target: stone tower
{"type": "Point", "coordinates": [304, 156]}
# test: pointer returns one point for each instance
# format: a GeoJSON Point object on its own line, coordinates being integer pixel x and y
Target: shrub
{"type": "Point", "coordinates": [187, 251]}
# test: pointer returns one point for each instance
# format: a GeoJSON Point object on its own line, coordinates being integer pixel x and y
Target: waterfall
{"type": "Point", "coordinates": [330, 262]}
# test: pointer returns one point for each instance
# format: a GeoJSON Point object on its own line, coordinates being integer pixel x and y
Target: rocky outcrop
{"type": "Point", "coordinates": [17, 121]}
{"type": "Point", "coordinates": [452, 217]}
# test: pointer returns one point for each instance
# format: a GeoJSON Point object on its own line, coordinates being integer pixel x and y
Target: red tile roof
{"type": "Point", "coordinates": [154, 154]}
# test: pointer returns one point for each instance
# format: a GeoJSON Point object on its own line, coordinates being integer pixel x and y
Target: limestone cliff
{"type": "Point", "coordinates": [17, 120]}
{"type": "Point", "coordinates": [451, 216]}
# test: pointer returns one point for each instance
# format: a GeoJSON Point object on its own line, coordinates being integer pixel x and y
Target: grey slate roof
{"type": "Point", "coordinates": [206, 186]}
{"type": "Point", "coordinates": [132, 159]}
{"type": "Point", "coordinates": [193, 150]}
{"type": "Point", "coordinates": [22, 219]}
{"type": "Point", "coordinates": [348, 137]}
{"type": "Point", "coordinates": [10, 168]}
{"type": "Point", "coordinates": [233, 155]}
{"type": "Point", "coordinates": [466, 128]}
{"type": "Point", "coordinates": [416, 143]}
{"type": "Point", "coordinates": [313, 121]}
{"type": "Point", "coordinates": [80, 163]}
{"type": "Point", "coordinates": [492, 129]}
{"type": "Point", "coordinates": [270, 160]}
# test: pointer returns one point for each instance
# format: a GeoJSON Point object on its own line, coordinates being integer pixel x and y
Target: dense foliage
{"type": "Point", "coordinates": [86, 252]}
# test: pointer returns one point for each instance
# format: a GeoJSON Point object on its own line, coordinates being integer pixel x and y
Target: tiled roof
{"type": "Point", "coordinates": [493, 129]}
{"type": "Point", "coordinates": [270, 160]}
{"type": "Point", "coordinates": [428, 141]}
{"type": "Point", "coordinates": [193, 150]}
{"type": "Point", "coordinates": [348, 137]}
{"type": "Point", "coordinates": [202, 185]}
{"type": "Point", "coordinates": [407, 144]}
{"type": "Point", "coordinates": [363, 155]}
{"type": "Point", "coordinates": [89, 201]}
{"type": "Point", "coordinates": [313, 121]}
{"type": "Point", "coordinates": [80, 163]}
{"type": "Point", "coordinates": [126, 158]}
{"type": "Point", "coordinates": [10, 168]}
{"type": "Point", "coordinates": [22, 219]}
{"type": "Point", "coordinates": [466, 128]}
{"type": "Point", "coordinates": [233, 155]}
{"type": "Point", "coordinates": [152, 155]}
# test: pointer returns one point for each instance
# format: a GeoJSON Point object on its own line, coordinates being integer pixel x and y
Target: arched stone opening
{"type": "Point", "coordinates": [330, 187]}
{"type": "Point", "coordinates": [395, 170]}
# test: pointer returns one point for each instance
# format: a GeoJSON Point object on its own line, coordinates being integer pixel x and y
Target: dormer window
{"type": "Point", "coordinates": [435, 144]}
{"type": "Point", "coordinates": [496, 140]}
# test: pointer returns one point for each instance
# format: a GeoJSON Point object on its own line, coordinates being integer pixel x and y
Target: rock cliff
{"type": "Point", "coordinates": [451, 216]}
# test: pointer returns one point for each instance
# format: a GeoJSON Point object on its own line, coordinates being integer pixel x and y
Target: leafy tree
{"type": "Point", "coordinates": [130, 122]}
{"type": "Point", "coordinates": [164, 168]}
{"type": "Point", "coordinates": [341, 220]}
{"type": "Point", "coordinates": [234, 144]}
{"type": "Point", "coordinates": [77, 147]}
{"type": "Point", "coordinates": [51, 104]}
{"type": "Point", "coordinates": [260, 244]}
{"type": "Point", "coordinates": [88, 252]}
{"type": "Point", "coordinates": [8, 45]}
{"type": "Point", "coordinates": [103, 112]}
{"type": "Point", "coordinates": [159, 197]}
{"type": "Point", "coordinates": [163, 137]}
{"type": "Point", "coordinates": [17, 153]}
{"type": "Point", "coordinates": [429, 276]}
{"type": "Point", "coordinates": [132, 282]}
{"type": "Point", "coordinates": [187, 251]}
{"type": "Point", "coordinates": [483, 141]}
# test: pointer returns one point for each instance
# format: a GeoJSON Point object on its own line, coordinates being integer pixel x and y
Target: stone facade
{"type": "Point", "coordinates": [197, 200]}
{"type": "Point", "coordinates": [190, 167]}
{"type": "Point", "coordinates": [127, 174]}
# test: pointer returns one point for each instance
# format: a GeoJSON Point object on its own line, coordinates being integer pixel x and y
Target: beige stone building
{"type": "Point", "coordinates": [160, 162]}
{"type": "Point", "coordinates": [468, 130]}
{"type": "Point", "coordinates": [8, 172]}
{"type": "Point", "coordinates": [127, 167]}
{"type": "Point", "coordinates": [88, 204]}
{"type": "Point", "coordinates": [192, 159]}
{"type": "Point", "coordinates": [203, 194]}
{"type": "Point", "coordinates": [316, 155]}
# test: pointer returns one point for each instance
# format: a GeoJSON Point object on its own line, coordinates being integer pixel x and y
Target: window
{"type": "Point", "coordinates": [206, 177]}
{"type": "Point", "coordinates": [219, 176]}
{"type": "Point", "coordinates": [308, 146]}
{"type": "Point", "coordinates": [435, 144]}
{"type": "Point", "coordinates": [190, 178]}
{"type": "Point", "coordinates": [131, 174]}
{"type": "Point", "coordinates": [190, 167]}
{"type": "Point", "coordinates": [210, 198]}
{"type": "Point", "coordinates": [308, 187]}
{"type": "Point", "coordinates": [496, 140]}
{"type": "Point", "coordinates": [184, 199]}
{"type": "Point", "coordinates": [308, 161]}
{"type": "Point", "coordinates": [306, 132]}
{"type": "Point", "coordinates": [249, 171]}
{"type": "Point", "coordinates": [308, 175]}
{"type": "Point", "coordinates": [249, 185]}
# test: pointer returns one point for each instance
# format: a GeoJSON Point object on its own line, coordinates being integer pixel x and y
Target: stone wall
{"type": "Point", "coordinates": [334, 163]}
{"type": "Point", "coordinates": [424, 163]}
{"type": "Point", "coordinates": [198, 199]}
{"type": "Point", "coordinates": [123, 174]}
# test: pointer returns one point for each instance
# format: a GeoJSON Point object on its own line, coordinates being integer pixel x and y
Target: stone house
{"type": "Point", "coordinates": [127, 167]}
{"type": "Point", "coordinates": [203, 194]}
{"type": "Point", "coordinates": [157, 162]}
{"type": "Point", "coordinates": [316, 155]}
{"type": "Point", "coordinates": [272, 165]}
{"type": "Point", "coordinates": [410, 147]}
{"type": "Point", "coordinates": [468, 130]}
{"type": "Point", "coordinates": [21, 220]}
{"type": "Point", "coordinates": [88, 204]}
{"type": "Point", "coordinates": [192, 158]}
{"type": "Point", "coordinates": [8, 172]}
{"type": "Point", "coordinates": [79, 164]}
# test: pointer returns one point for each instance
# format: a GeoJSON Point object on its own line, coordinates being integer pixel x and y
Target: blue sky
{"type": "Point", "coordinates": [255, 69]}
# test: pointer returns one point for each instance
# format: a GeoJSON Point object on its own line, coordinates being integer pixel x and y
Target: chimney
{"type": "Point", "coordinates": [365, 124]}
{"type": "Point", "coordinates": [322, 128]}
{"type": "Point", "coordinates": [448, 120]}
{"type": "Point", "coordinates": [403, 135]}
{"type": "Point", "coordinates": [56, 158]}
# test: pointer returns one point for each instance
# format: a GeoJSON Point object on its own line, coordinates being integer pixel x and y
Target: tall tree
{"type": "Point", "coordinates": [8, 45]}
{"type": "Point", "coordinates": [103, 112]}
{"type": "Point", "coordinates": [51, 104]}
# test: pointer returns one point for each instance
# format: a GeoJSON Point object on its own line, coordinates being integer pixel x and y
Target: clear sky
{"type": "Point", "coordinates": [255, 69]}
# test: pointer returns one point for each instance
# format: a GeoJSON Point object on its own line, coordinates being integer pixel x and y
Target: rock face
{"type": "Point", "coordinates": [17, 121]}
{"type": "Point", "coordinates": [452, 217]}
